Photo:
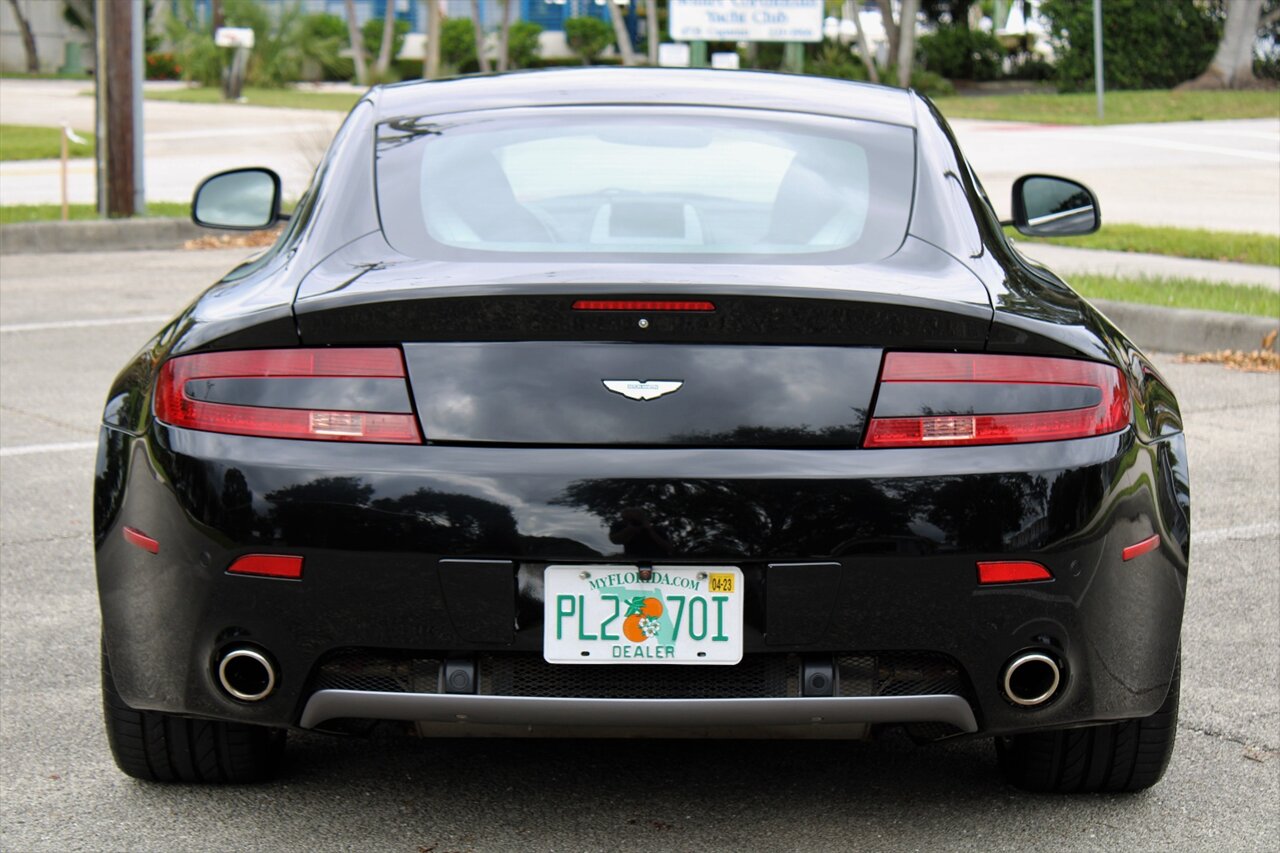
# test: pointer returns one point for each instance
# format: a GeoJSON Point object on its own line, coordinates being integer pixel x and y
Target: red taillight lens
{"type": "Point", "coordinates": [952, 399]}
{"type": "Point", "coordinates": [641, 305]}
{"type": "Point", "coordinates": [175, 406]}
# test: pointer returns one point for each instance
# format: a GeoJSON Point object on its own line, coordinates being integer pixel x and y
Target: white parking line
{"type": "Point", "coordinates": [36, 449]}
{"type": "Point", "coordinates": [83, 324]}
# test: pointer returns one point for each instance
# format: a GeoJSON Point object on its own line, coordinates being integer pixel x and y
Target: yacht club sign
{"type": "Point", "coordinates": [746, 20]}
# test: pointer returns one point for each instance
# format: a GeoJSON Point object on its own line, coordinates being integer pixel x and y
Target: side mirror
{"type": "Point", "coordinates": [1048, 206]}
{"type": "Point", "coordinates": [240, 200]}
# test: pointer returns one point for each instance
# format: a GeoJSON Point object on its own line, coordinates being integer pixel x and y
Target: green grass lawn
{"type": "Point", "coordinates": [11, 213]}
{"type": "Point", "coordinates": [289, 98]}
{"type": "Point", "coordinates": [24, 142]}
{"type": "Point", "coordinates": [1121, 107]}
{"type": "Point", "coordinates": [1181, 293]}
{"type": "Point", "coordinates": [1179, 242]}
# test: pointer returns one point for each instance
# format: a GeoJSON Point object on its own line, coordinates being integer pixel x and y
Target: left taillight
{"type": "Point", "coordinates": [957, 399]}
{"type": "Point", "coordinates": [338, 394]}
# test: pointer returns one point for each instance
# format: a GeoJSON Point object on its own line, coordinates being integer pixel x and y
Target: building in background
{"type": "Point", "coordinates": [60, 46]}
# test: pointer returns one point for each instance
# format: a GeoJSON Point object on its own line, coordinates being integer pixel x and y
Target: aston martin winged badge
{"type": "Point", "coordinates": [643, 389]}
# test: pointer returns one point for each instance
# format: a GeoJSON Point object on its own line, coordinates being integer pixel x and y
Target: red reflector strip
{"type": "Point", "coordinates": [1012, 572]}
{"type": "Point", "coordinates": [268, 565]}
{"type": "Point", "coordinates": [1137, 550]}
{"type": "Point", "coordinates": [640, 305]}
{"type": "Point", "coordinates": [136, 537]}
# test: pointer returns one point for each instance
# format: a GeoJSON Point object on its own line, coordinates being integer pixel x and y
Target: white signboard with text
{"type": "Point", "coordinates": [746, 20]}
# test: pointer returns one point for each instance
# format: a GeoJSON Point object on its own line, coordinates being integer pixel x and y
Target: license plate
{"type": "Point", "coordinates": [607, 614]}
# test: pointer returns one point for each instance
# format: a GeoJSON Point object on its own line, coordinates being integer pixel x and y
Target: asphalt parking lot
{"type": "Point", "coordinates": [68, 322]}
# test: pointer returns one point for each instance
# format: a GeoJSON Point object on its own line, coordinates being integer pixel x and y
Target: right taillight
{"type": "Point", "coordinates": [953, 399]}
{"type": "Point", "coordinates": [338, 394]}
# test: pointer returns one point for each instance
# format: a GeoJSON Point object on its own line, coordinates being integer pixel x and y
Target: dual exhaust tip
{"type": "Point", "coordinates": [1031, 679]}
{"type": "Point", "coordinates": [246, 674]}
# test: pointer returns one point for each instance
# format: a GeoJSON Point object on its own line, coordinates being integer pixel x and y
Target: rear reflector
{"type": "Point", "coordinates": [640, 305]}
{"type": "Point", "coordinates": [174, 406]}
{"type": "Point", "coordinates": [268, 566]}
{"type": "Point", "coordinates": [1138, 549]}
{"type": "Point", "coordinates": [1012, 572]}
{"type": "Point", "coordinates": [136, 537]}
{"type": "Point", "coordinates": [971, 399]}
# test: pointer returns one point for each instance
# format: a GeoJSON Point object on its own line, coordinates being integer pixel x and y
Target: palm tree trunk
{"type": "Point", "coordinates": [388, 40]}
{"type": "Point", "coordinates": [28, 39]}
{"type": "Point", "coordinates": [890, 30]}
{"type": "Point", "coordinates": [481, 56]}
{"type": "Point", "coordinates": [504, 52]}
{"type": "Point", "coordinates": [620, 34]}
{"type": "Point", "coordinates": [907, 41]}
{"type": "Point", "coordinates": [431, 65]}
{"type": "Point", "coordinates": [357, 44]}
{"type": "Point", "coordinates": [651, 19]}
{"type": "Point", "coordinates": [1232, 65]}
{"type": "Point", "coordinates": [864, 51]}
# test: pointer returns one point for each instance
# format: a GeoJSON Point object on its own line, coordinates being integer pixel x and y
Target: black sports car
{"type": "Point", "coordinates": [636, 402]}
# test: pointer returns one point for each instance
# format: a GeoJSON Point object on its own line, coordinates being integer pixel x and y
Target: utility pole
{"type": "Point", "coordinates": [1097, 55]}
{"type": "Point", "coordinates": [100, 103]}
{"type": "Point", "coordinates": [115, 81]}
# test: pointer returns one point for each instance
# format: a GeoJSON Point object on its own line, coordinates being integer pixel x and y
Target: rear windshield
{"type": "Point", "coordinates": [645, 183]}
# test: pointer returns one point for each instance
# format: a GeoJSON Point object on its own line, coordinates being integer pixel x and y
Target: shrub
{"type": "Point", "coordinates": [960, 53]}
{"type": "Point", "coordinates": [927, 83]}
{"type": "Point", "coordinates": [522, 44]}
{"type": "Point", "coordinates": [162, 66]}
{"type": "Point", "coordinates": [1145, 45]}
{"type": "Point", "coordinates": [276, 59]}
{"type": "Point", "coordinates": [371, 32]}
{"type": "Point", "coordinates": [587, 37]}
{"type": "Point", "coordinates": [834, 60]}
{"type": "Point", "coordinates": [458, 44]}
{"type": "Point", "coordinates": [323, 37]}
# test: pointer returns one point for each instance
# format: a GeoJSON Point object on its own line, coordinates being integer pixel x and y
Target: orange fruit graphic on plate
{"type": "Point", "coordinates": [642, 619]}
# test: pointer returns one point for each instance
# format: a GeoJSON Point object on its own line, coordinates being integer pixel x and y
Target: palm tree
{"type": "Point", "coordinates": [357, 44]}
{"type": "Point", "coordinates": [620, 33]}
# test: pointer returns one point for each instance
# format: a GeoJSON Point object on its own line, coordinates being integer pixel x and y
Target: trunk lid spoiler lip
{"type": "Point", "coordinates": [369, 271]}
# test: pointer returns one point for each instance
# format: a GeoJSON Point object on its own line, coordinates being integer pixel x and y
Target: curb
{"type": "Point", "coordinates": [98, 235]}
{"type": "Point", "coordinates": [1151, 327]}
{"type": "Point", "coordinates": [1183, 330]}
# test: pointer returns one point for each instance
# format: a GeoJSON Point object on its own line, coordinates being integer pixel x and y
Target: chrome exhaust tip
{"type": "Point", "coordinates": [1031, 679]}
{"type": "Point", "coordinates": [246, 674]}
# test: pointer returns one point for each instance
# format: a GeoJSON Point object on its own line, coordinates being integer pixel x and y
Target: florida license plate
{"type": "Point", "coordinates": [622, 614]}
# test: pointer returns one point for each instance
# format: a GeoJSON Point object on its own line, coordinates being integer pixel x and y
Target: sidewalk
{"type": "Point", "coordinates": [1066, 261]}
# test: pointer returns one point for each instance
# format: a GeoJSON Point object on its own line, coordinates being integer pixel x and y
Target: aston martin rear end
{"type": "Point", "coordinates": [643, 402]}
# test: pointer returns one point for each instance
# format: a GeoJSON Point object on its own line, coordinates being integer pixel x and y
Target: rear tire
{"type": "Point", "coordinates": [1130, 755]}
{"type": "Point", "coordinates": [161, 747]}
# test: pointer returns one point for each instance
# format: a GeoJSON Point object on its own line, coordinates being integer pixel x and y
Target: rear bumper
{"type": "Point", "coordinates": [843, 552]}
{"type": "Point", "coordinates": [325, 705]}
